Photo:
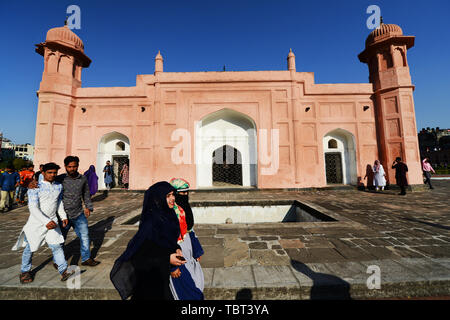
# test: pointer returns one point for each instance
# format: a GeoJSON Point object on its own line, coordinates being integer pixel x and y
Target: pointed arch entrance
{"type": "Point", "coordinates": [340, 157]}
{"type": "Point", "coordinates": [227, 167]}
{"type": "Point", "coordinates": [113, 147]}
{"type": "Point", "coordinates": [226, 147]}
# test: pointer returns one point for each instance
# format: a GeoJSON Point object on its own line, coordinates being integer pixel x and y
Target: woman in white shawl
{"type": "Point", "coordinates": [379, 180]}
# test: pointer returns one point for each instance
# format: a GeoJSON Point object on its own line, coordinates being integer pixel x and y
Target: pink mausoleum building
{"type": "Point", "coordinates": [266, 129]}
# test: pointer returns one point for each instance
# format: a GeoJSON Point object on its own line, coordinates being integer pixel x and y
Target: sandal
{"type": "Point", "coordinates": [26, 277]}
{"type": "Point", "coordinates": [66, 275]}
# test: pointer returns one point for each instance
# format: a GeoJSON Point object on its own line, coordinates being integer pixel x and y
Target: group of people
{"type": "Point", "coordinates": [56, 203]}
{"type": "Point", "coordinates": [162, 261]}
{"type": "Point", "coordinates": [379, 175]}
{"type": "Point", "coordinates": [14, 185]}
{"type": "Point", "coordinates": [109, 175]}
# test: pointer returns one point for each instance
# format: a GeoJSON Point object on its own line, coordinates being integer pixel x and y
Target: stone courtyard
{"type": "Point", "coordinates": [406, 237]}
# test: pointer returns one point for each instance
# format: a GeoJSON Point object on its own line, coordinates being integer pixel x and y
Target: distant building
{"type": "Point", "coordinates": [10, 151]}
{"type": "Point", "coordinates": [434, 144]}
{"type": "Point", "coordinates": [24, 151]}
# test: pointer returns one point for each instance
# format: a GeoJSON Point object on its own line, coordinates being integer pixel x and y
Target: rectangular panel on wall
{"type": "Point", "coordinates": [167, 131]}
{"type": "Point", "coordinates": [143, 160]}
{"type": "Point", "coordinates": [390, 105]}
{"type": "Point", "coordinates": [325, 110]}
{"type": "Point", "coordinates": [142, 166]}
{"type": "Point", "coordinates": [83, 136]}
{"type": "Point", "coordinates": [61, 113]}
{"type": "Point", "coordinates": [170, 96]}
{"type": "Point", "coordinates": [368, 154]}
{"type": "Point", "coordinates": [395, 150]}
{"type": "Point", "coordinates": [281, 110]}
{"type": "Point", "coordinates": [284, 133]}
{"type": "Point", "coordinates": [368, 132]}
{"type": "Point", "coordinates": [143, 136]}
{"type": "Point", "coordinates": [411, 152]}
{"type": "Point", "coordinates": [280, 94]}
{"type": "Point", "coordinates": [308, 133]}
{"type": "Point", "coordinates": [310, 161]}
{"type": "Point", "coordinates": [42, 134]}
{"type": "Point", "coordinates": [59, 134]}
{"type": "Point", "coordinates": [409, 127]}
{"type": "Point", "coordinates": [114, 113]}
{"type": "Point", "coordinates": [407, 103]}
{"type": "Point", "coordinates": [393, 126]}
{"type": "Point", "coordinates": [44, 111]}
{"type": "Point", "coordinates": [285, 158]}
{"type": "Point", "coordinates": [347, 110]}
{"type": "Point", "coordinates": [170, 112]}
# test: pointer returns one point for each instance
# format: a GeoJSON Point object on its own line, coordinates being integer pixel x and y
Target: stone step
{"type": "Point", "coordinates": [407, 277]}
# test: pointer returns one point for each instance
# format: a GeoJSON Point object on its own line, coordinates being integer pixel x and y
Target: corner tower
{"type": "Point", "coordinates": [64, 59]}
{"type": "Point", "coordinates": [385, 54]}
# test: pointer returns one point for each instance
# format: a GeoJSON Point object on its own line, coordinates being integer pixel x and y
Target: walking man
{"type": "Point", "coordinates": [427, 168]}
{"type": "Point", "coordinates": [76, 191]}
{"type": "Point", "coordinates": [42, 225]}
{"type": "Point", "coordinates": [9, 180]}
{"type": "Point", "coordinates": [400, 174]}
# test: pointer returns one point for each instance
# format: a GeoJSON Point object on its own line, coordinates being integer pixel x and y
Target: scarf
{"type": "Point", "coordinates": [92, 180]}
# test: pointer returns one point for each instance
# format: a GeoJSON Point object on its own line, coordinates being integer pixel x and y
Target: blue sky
{"type": "Point", "coordinates": [123, 37]}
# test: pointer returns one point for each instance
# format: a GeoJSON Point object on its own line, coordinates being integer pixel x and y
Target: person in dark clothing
{"type": "Point", "coordinates": [400, 174]}
{"type": "Point", "coordinates": [142, 272]}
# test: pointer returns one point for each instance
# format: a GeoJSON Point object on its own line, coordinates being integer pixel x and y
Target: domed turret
{"type": "Point", "coordinates": [382, 32]}
{"type": "Point", "coordinates": [65, 36]}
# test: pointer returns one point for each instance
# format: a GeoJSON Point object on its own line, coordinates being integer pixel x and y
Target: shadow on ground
{"type": "Point", "coordinates": [100, 197]}
{"type": "Point", "coordinates": [325, 286]}
{"type": "Point", "coordinates": [97, 234]}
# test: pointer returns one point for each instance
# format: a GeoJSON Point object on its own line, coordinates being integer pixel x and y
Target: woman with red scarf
{"type": "Point", "coordinates": [187, 281]}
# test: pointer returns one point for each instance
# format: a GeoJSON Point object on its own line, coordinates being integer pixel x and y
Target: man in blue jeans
{"type": "Point", "coordinates": [76, 191]}
{"type": "Point", "coordinates": [42, 225]}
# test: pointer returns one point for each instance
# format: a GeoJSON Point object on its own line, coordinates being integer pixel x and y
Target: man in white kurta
{"type": "Point", "coordinates": [42, 225]}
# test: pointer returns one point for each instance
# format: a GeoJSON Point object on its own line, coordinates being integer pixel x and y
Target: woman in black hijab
{"type": "Point", "coordinates": [143, 270]}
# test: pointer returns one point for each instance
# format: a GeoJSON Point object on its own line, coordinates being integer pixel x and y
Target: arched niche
{"type": "Point", "coordinates": [108, 151]}
{"type": "Point", "coordinates": [231, 128]}
{"type": "Point", "coordinates": [340, 161]}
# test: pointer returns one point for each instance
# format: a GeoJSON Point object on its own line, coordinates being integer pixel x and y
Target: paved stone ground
{"type": "Point", "coordinates": [407, 237]}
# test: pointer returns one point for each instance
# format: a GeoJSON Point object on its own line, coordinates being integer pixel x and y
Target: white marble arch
{"type": "Point", "coordinates": [107, 148]}
{"type": "Point", "coordinates": [225, 127]}
{"type": "Point", "coordinates": [345, 145]}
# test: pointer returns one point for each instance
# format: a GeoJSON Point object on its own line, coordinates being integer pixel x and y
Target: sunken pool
{"type": "Point", "coordinates": [252, 212]}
